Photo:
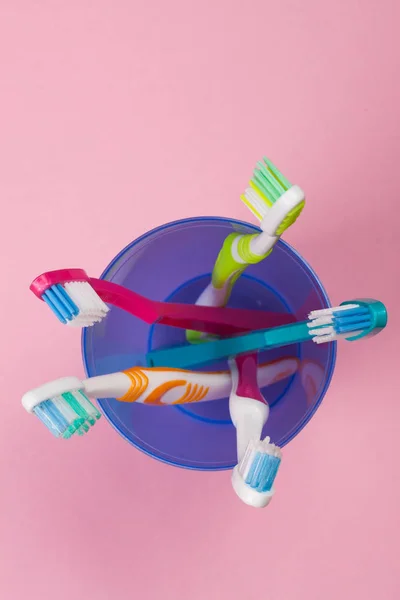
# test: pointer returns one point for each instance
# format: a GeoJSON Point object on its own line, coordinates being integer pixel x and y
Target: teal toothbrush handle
{"type": "Point", "coordinates": [190, 355]}
{"type": "Point", "coordinates": [285, 335]}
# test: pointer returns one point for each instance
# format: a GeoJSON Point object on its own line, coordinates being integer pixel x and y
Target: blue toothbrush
{"type": "Point", "coordinates": [352, 320]}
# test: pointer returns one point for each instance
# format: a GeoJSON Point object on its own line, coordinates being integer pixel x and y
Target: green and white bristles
{"type": "Point", "coordinates": [268, 186]}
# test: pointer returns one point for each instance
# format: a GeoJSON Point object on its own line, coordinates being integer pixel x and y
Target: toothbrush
{"type": "Point", "coordinates": [258, 460]}
{"type": "Point", "coordinates": [351, 320]}
{"type": "Point", "coordinates": [254, 476]}
{"type": "Point", "coordinates": [276, 204]}
{"type": "Point", "coordinates": [247, 406]}
{"type": "Point", "coordinates": [64, 407]}
{"type": "Point", "coordinates": [77, 299]}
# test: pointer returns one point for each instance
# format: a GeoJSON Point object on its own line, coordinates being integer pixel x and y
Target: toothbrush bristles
{"type": "Point", "coordinates": [260, 464]}
{"type": "Point", "coordinates": [330, 324]}
{"type": "Point", "coordinates": [265, 188]}
{"type": "Point", "coordinates": [323, 312]}
{"type": "Point", "coordinates": [67, 414]}
{"type": "Point", "coordinates": [76, 303]}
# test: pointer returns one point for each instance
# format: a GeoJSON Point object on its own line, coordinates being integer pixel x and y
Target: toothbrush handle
{"type": "Point", "coordinates": [247, 407]}
{"type": "Point", "coordinates": [174, 386]}
{"type": "Point", "coordinates": [187, 356]}
{"type": "Point", "coordinates": [161, 387]}
{"type": "Point", "coordinates": [286, 335]}
{"type": "Point", "coordinates": [247, 385]}
{"type": "Point", "coordinates": [127, 300]}
{"type": "Point", "coordinates": [168, 386]}
{"type": "Point", "coordinates": [233, 259]}
{"type": "Point", "coordinates": [208, 319]}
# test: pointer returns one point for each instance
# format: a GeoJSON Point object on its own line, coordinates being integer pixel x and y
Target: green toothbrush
{"type": "Point", "coordinates": [277, 204]}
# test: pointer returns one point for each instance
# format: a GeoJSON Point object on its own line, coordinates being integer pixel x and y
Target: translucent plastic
{"type": "Point", "coordinates": [174, 262]}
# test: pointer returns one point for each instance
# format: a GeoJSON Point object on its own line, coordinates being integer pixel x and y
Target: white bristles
{"type": "Point", "coordinates": [323, 331]}
{"type": "Point", "coordinates": [65, 409]}
{"type": "Point", "coordinates": [327, 312]}
{"type": "Point", "coordinates": [322, 335]}
{"type": "Point", "coordinates": [91, 307]}
{"type": "Point", "coordinates": [321, 321]}
{"type": "Point", "coordinates": [325, 337]}
{"type": "Point", "coordinates": [321, 339]}
{"type": "Point", "coordinates": [257, 205]}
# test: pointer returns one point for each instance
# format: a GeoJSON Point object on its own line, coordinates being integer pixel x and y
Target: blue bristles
{"type": "Point", "coordinates": [259, 465]}
{"type": "Point", "coordinates": [70, 412]}
{"type": "Point", "coordinates": [328, 324]}
{"type": "Point", "coordinates": [60, 303]}
{"type": "Point", "coordinates": [75, 302]}
{"type": "Point", "coordinates": [63, 406]}
{"type": "Point", "coordinates": [51, 417]}
{"type": "Point", "coordinates": [352, 319]}
{"type": "Point", "coordinates": [262, 472]}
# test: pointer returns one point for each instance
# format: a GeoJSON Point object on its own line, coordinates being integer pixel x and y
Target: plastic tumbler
{"type": "Point", "coordinates": [174, 262]}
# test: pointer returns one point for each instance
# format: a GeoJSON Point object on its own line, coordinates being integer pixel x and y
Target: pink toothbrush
{"type": "Point", "coordinates": [258, 460]}
{"type": "Point", "coordinates": [247, 406]}
{"type": "Point", "coordinates": [77, 299]}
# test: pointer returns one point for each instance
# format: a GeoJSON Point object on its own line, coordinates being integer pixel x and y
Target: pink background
{"type": "Point", "coordinates": [117, 117]}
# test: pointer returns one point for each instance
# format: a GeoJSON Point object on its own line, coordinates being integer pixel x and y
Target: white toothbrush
{"type": "Point", "coordinates": [64, 406]}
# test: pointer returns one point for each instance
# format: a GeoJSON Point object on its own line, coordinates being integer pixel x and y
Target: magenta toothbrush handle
{"type": "Point", "coordinates": [247, 373]}
{"type": "Point", "coordinates": [222, 321]}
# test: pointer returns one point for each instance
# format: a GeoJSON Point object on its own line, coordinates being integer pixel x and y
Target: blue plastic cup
{"type": "Point", "coordinates": [174, 262]}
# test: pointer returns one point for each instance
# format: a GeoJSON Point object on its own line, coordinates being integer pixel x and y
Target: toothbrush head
{"type": "Point", "coordinates": [62, 406]}
{"type": "Point", "coordinates": [351, 320]}
{"type": "Point", "coordinates": [254, 476]}
{"type": "Point", "coordinates": [273, 199]}
{"type": "Point", "coordinates": [70, 296]}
